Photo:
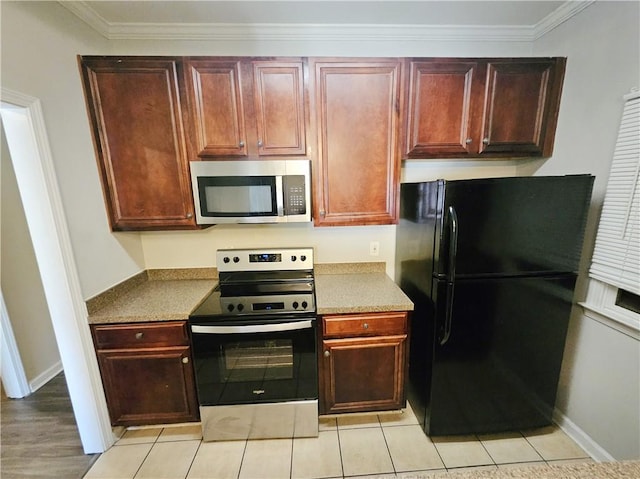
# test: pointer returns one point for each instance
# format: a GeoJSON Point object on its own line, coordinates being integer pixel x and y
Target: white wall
{"type": "Point", "coordinates": [40, 41]}
{"type": "Point", "coordinates": [340, 47]}
{"type": "Point", "coordinates": [21, 284]}
{"type": "Point", "coordinates": [600, 385]}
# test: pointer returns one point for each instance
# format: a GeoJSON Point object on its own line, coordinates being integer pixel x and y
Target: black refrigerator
{"type": "Point", "coordinates": [491, 266]}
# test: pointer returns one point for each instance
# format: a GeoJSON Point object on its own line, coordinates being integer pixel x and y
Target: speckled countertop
{"type": "Point", "coordinates": [153, 295]}
{"type": "Point", "coordinates": [357, 288]}
{"type": "Point", "coordinates": [164, 295]}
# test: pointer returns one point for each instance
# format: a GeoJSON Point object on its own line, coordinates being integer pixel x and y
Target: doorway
{"type": "Point", "coordinates": [32, 347]}
{"type": "Point", "coordinates": [26, 136]}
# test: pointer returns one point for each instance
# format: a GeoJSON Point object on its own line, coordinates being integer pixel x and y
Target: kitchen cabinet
{"type": "Point", "coordinates": [139, 136]}
{"type": "Point", "coordinates": [147, 372]}
{"type": "Point", "coordinates": [248, 108]}
{"type": "Point", "coordinates": [505, 107]}
{"type": "Point", "coordinates": [357, 106]}
{"type": "Point", "coordinates": [363, 362]}
{"type": "Point", "coordinates": [355, 118]}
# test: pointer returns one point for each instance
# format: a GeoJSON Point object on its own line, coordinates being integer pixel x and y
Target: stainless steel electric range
{"type": "Point", "coordinates": [254, 347]}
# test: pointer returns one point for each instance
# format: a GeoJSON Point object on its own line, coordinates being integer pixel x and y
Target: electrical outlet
{"type": "Point", "coordinates": [374, 248]}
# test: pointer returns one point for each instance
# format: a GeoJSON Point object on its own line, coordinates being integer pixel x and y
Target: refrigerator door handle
{"type": "Point", "coordinates": [448, 315]}
{"type": "Point", "coordinates": [451, 273]}
{"type": "Point", "coordinates": [453, 244]}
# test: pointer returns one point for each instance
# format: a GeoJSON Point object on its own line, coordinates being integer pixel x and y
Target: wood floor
{"type": "Point", "coordinates": [39, 436]}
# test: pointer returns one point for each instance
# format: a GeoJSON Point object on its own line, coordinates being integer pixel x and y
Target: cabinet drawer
{"type": "Point", "coordinates": [374, 324]}
{"type": "Point", "coordinates": [142, 335]}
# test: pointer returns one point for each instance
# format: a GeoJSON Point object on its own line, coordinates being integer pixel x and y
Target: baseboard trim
{"type": "Point", "coordinates": [586, 442]}
{"type": "Point", "coordinates": [45, 376]}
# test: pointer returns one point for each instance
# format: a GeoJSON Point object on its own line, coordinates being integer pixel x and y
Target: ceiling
{"type": "Point", "coordinates": [134, 19]}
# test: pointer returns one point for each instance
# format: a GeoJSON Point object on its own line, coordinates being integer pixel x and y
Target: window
{"type": "Point", "coordinates": [628, 300]}
{"type": "Point", "coordinates": [615, 267]}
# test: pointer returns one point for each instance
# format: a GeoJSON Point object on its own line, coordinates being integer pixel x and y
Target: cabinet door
{"type": "Point", "coordinates": [217, 107]}
{"type": "Point", "coordinates": [280, 108]}
{"type": "Point", "coordinates": [134, 109]}
{"type": "Point", "coordinates": [363, 374]}
{"type": "Point", "coordinates": [149, 386]}
{"type": "Point", "coordinates": [521, 103]}
{"type": "Point", "coordinates": [357, 106]}
{"type": "Point", "coordinates": [444, 97]}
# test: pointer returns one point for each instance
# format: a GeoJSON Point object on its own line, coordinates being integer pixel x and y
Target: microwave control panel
{"type": "Point", "coordinates": [294, 195]}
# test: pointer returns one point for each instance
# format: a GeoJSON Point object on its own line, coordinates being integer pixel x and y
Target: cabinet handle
{"type": "Point", "coordinates": [139, 335]}
{"type": "Point", "coordinates": [321, 212]}
{"type": "Point", "coordinates": [259, 143]}
{"type": "Point", "coordinates": [189, 215]}
{"type": "Point", "coordinates": [365, 326]}
{"type": "Point", "coordinates": [241, 144]}
{"type": "Point", "coordinates": [185, 360]}
{"type": "Point", "coordinates": [485, 141]}
{"type": "Point", "coordinates": [327, 354]}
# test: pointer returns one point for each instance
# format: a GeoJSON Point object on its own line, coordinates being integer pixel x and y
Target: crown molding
{"type": "Point", "coordinates": [560, 15]}
{"type": "Point", "coordinates": [324, 32]}
{"type": "Point", "coordinates": [88, 15]}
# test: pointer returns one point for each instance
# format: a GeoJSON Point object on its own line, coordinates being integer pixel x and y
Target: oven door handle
{"type": "Point", "coordinates": [252, 328]}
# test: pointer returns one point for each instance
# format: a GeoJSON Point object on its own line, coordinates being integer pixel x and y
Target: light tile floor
{"type": "Point", "coordinates": [380, 445]}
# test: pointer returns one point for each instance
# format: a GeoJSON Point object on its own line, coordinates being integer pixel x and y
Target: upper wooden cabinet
{"type": "Point", "coordinates": [521, 103]}
{"type": "Point", "coordinates": [483, 107]}
{"type": "Point", "coordinates": [443, 98]}
{"type": "Point", "coordinates": [355, 118]}
{"type": "Point", "coordinates": [247, 108]}
{"type": "Point", "coordinates": [356, 115]}
{"type": "Point", "coordinates": [136, 120]}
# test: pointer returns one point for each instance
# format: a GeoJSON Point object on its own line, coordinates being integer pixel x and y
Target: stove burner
{"type": "Point", "coordinates": [261, 282]}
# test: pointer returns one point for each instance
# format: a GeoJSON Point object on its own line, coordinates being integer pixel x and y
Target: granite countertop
{"type": "Point", "coordinates": [165, 295]}
{"type": "Point", "coordinates": [357, 288]}
{"type": "Point", "coordinates": [153, 295]}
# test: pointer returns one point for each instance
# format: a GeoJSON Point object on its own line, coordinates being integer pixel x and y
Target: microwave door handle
{"type": "Point", "coordinates": [279, 196]}
{"type": "Point", "coordinates": [252, 328]}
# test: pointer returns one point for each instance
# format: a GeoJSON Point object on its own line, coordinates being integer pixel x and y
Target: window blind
{"type": "Point", "coordinates": [616, 256]}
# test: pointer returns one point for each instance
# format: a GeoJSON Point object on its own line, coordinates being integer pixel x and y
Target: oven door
{"type": "Point", "coordinates": [261, 360]}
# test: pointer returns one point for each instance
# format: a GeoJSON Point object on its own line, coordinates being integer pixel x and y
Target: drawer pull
{"type": "Point", "coordinates": [185, 360]}
{"type": "Point", "coordinates": [365, 326]}
{"type": "Point", "coordinates": [139, 335]}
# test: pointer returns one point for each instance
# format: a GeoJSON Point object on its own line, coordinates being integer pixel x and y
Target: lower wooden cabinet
{"type": "Point", "coordinates": [363, 362]}
{"type": "Point", "coordinates": [147, 372]}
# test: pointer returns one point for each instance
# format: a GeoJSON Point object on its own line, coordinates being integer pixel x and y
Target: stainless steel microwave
{"type": "Point", "coordinates": [248, 191]}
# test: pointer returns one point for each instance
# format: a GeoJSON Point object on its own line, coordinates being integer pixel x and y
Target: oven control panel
{"type": "Point", "coordinates": [282, 259]}
{"type": "Point", "coordinates": [268, 304]}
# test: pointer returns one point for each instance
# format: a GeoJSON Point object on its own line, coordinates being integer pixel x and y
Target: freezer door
{"type": "Point", "coordinates": [416, 238]}
{"type": "Point", "coordinates": [499, 366]}
{"type": "Point", "coordinates": [513, 226]}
